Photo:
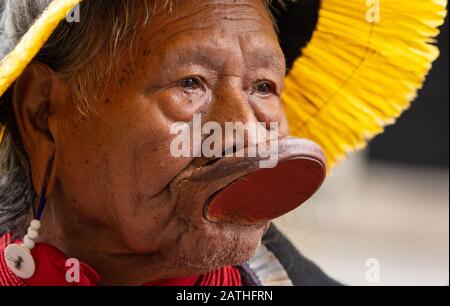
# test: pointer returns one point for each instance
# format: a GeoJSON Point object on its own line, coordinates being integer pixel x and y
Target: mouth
{"type": "Point", "coordinates": [236, 190]}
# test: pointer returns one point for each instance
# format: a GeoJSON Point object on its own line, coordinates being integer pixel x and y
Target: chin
{"type": "Point", "coordinates": [202, 250]}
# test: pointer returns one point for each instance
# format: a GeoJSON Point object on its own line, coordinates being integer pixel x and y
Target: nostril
{"type": "Point", "coordinates": [230, 151]}
{"type": "Point", "coordinates": [211, 162]}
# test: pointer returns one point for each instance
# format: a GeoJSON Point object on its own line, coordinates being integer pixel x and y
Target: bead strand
{"type": "Point", "coordinates": [29, 240]}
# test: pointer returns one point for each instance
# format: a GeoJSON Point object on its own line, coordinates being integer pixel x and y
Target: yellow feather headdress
{"type": "Point", "coordinates": [360, 71]}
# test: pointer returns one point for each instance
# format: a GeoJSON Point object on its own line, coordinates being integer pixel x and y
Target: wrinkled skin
{"type": "Point", "coordinates": [116, 197]}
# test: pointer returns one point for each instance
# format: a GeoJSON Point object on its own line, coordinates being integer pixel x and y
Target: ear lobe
{"type": "Point", "coordinates": [32, 106]}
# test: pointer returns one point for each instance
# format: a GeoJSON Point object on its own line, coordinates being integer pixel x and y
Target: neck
{"type": "Point", "coordinates": [94, 245]}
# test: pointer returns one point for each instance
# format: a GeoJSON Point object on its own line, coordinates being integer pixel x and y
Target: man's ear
{"type": "Point", "coordinates": [34, 96]}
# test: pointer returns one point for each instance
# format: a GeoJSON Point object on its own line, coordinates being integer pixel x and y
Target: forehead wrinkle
{"type": "Point", "coordinates": [206, 56]}
{"type": "Point", "coordinates": [236, 8]}
{"type": "Point", "coordinates": [216, 53]}
{"type": "Point", "coordinates": [263, 56]}
{"type": "Point", "coordinates": [181, 48]}
{"type": "Point", "coordinates": [218, 12]}
{"type": "Point", "coordinates": [181, 45]}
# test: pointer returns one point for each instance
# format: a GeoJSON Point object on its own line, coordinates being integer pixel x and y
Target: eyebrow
{"type": "Point", "coordinates": [270, 59]}
{"type": "Point", "coordinates": [255, 59]}
{"type": "Point", "coordinates": [193, 55]}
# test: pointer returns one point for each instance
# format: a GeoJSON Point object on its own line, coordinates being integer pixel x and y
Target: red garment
{"type": "Point", "coordinates": [51, 271]}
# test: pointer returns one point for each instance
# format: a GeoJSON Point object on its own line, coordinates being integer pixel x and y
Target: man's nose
{"type": "Point", "coordinates": [231, 108]}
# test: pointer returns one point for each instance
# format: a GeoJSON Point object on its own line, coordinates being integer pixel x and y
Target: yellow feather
{"type": "Point", "coordinates": [16, 61]}
{"type": "Point", "coordinates": [355, 77]}
{"type": "Point", "coordinates": [12, 65]}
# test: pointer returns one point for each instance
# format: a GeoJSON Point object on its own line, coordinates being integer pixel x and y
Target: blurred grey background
{"type": "Point", "coordinates": [390, 202]}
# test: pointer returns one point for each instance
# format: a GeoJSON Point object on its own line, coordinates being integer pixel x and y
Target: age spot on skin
{"type": "Point", "coordinates": [127, 73]}
{"type": "Point", "coordinates": [147, 52]}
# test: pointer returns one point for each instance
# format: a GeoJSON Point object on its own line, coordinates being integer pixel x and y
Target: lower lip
{"type": "Point", "coordinates": [268, 193]}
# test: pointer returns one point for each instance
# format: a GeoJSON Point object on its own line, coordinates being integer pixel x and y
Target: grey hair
{"type": "Point", "coordinates": [73, 52]}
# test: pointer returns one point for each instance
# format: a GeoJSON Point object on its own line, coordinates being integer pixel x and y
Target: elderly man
{"type": "Point", "coordinates": [89, 135]}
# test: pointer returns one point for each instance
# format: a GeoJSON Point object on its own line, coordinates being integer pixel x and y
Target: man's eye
{"type": "Point", "coordinates": [264, 88]}
{"type": "Point", "coordinates": [190, 83]}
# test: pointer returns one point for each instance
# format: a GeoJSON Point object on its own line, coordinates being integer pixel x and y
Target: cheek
{"type": "Point", "coordinates": [140, 150]}
{"type": "Point", "coordinates": [118, 155]}
{"type": "Point", "coordinates": [153, 166]}
{"type": "Point", "coordinates": [268, 110]}
{"type": "Point", "coordinates": [284, 125]}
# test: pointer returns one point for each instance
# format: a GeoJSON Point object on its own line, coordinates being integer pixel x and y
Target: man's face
{"type": "Point", "coordinates": [115, 171]}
